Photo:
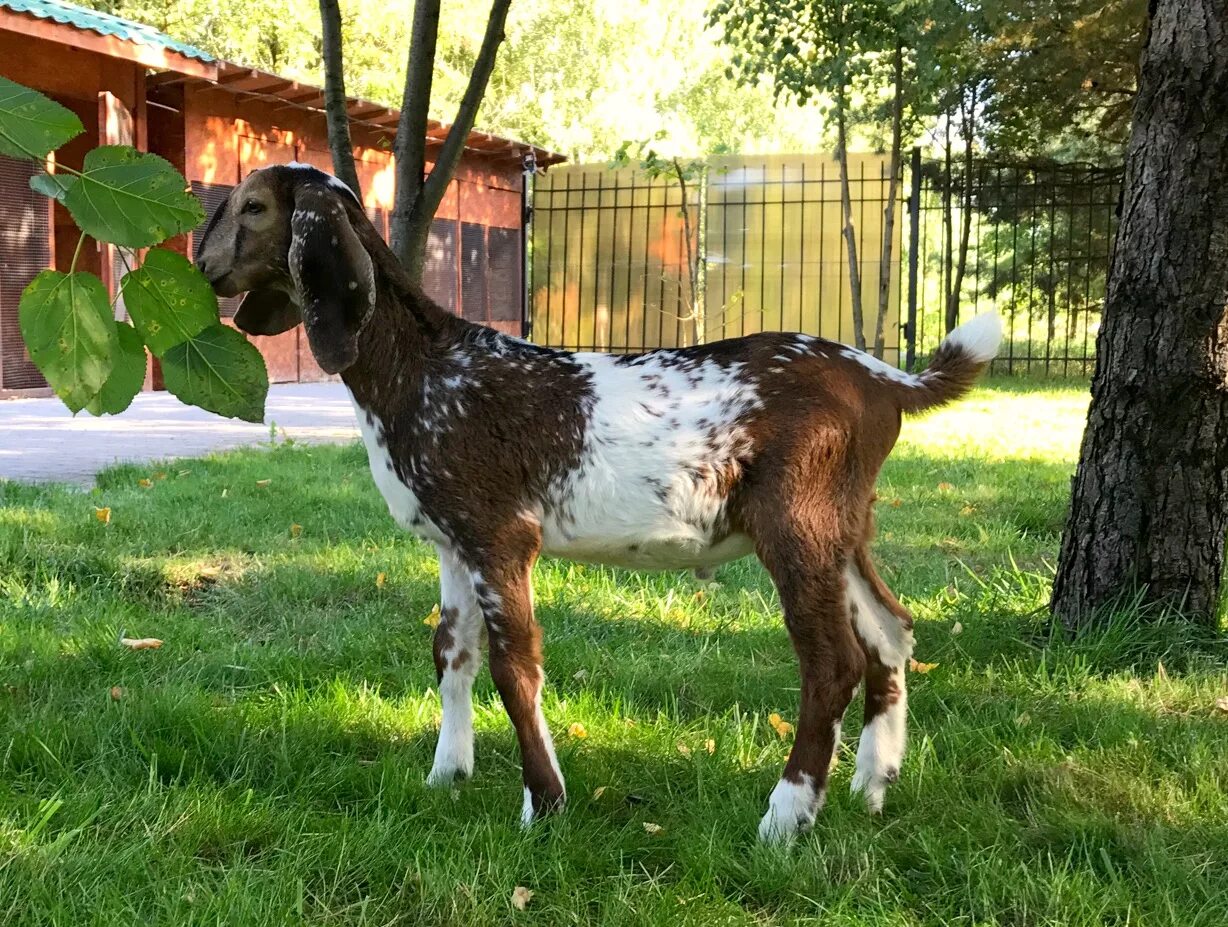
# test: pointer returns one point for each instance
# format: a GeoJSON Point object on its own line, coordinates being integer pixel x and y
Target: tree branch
{"type": "Point", "coordinates": [338, 116]}
{"type": "Point", "coordinates": [409, 148]}
{"type": "Point", "coordinates": [423, 208]}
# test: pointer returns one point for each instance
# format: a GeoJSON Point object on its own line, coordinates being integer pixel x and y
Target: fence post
{"type": "Point", "coordinates": [527, 175]}
{"type": "Point", "coordinates": [914, 245]}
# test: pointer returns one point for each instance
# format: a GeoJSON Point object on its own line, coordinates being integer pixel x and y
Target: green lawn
{"type": "Point", "coordinates": [266, 765]}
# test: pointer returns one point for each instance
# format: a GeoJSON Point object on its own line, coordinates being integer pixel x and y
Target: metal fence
{"type": "Point", "coordinates": [623, 261]}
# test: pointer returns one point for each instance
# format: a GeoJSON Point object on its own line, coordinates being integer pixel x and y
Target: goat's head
{"type": "Point", "coordinates": [286, 237]}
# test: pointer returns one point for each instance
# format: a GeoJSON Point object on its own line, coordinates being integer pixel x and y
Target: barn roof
{"type": "Point", "coordinates": [180, 62]}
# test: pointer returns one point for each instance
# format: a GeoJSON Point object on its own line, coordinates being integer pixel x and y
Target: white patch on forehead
{"type": "Point", "coordinates": [329, 179]}
{"type": "Point", "coordinates": [878, 368]}
{"type": "Point", "coordinates": [403, 503]}
{"type": "Point", "coordinates": [664, 438]}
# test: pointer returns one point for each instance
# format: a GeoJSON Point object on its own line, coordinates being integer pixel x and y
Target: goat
{"type": "Point", "coordinates": [498, 450]}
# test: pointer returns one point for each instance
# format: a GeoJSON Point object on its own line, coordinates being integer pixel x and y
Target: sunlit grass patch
{"type": "Point", "coordinates": [266, 765]}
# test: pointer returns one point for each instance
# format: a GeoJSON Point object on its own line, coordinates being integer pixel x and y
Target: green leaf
{"type": "Point", "coordinates": [127, 374]}
{"type": "Point", "coordinates": [67, 326]}
{"type": "Point", "coordinates": [169, 300]}
{"type": "Point", "coordinates": [218, 370]}
{"type": "Point", "coordinates": [130, 198]}
{"type": "Point", "coordinates": [54, 186]}
{"type": "Point", "coordinates": [31, 125]}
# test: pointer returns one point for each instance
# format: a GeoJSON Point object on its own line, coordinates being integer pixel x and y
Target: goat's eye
{"type": "Point", "coordinates": [253, 207]}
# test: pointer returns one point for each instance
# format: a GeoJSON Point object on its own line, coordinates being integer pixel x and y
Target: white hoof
{"type": "Point", "coordinates": [449, 766]}
{"type": "Point", "coordinates": [791, 810]}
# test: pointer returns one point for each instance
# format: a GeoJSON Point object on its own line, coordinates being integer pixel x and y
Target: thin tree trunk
{"type": "Point", "coordinates": [967, 129]}
{"type": "Point", "coordinates": [415, 228]}
{"type": "Point", "coordinates": [948, 249]}
{"type": "Point", "coordinates": [695, 314]}
{"type": "Point", "coordinates": [1150, 499]}
{"type": "Point", "coordinates": [335, 106]}
{"type": "Point", "coordinates": [897, 141]}
{"type": "Point", "coordinates": [850, 233]}
{"type": "Point", "coordinates": [409, 147]}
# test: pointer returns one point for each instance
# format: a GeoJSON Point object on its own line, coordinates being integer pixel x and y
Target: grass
{"type": "Point", "coordinates": [266, 765]}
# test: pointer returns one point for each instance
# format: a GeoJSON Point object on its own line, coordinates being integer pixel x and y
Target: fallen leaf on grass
{"type": "Point", "coordinates": [577, 730]}
{"type": "Point", "coordinates": [140, 643]}
{"type": "Point", "coordinates": [945, 487]}
{"type": "Point", "coordinates": [683, 748]}
{"type": "Point", "coordinates": [225, 492]}
{"type": "Point", "coordinates": [117, 692]}
{"type": "Point", "coordinates": [160, 475]}
{"type": "Point", "coordinates": [144, 484]}
{"type": "Point", "coordinates": [263, 483]}
{"type": "Point", "coordinates": [432, 619]}
{"type": "Point", "coordinates": [967, 510]}
{"type": "Point", "coordinates": [103, 515]}
{"type": "Point", "coordinates": [920, 667]}
{"type": "Point", "coordinates": [580, 675]}
{"type": "Point", "coordinates": [1222, 703]}
{"type": "Point", "coordinates": [296, 530]}
{"type": "Point", "coordinates": [782, 727]}
{"type": "Point", "coordinates": [380, 579]}
{"type": "Point", "coordinates": [598, 792]}
{"type": "Point", "coordinates": [957, 628]}
{"type": "Point", "coordinates": [896, 503]}
{"type": "Point", "coordinates": [699, 595]}
{"type": "Point", "coordinates": [652, 829]}
{"type": "Point", "coordinates": [521, 897]}
{"type": "Point", "coordinates": [1023, 720]}
{"type": "Point", "coordinates": [710, 746]}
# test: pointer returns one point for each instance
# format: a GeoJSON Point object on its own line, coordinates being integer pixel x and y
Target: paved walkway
{"type": "Point", "coordinates": [41, 441]}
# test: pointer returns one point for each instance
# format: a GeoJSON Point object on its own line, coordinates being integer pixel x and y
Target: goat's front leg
{"type": "Point", "coordinates": [457, 646]}
{"type": "Point", "coordinates": [505, 595]}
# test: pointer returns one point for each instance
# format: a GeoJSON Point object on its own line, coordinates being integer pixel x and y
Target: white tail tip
{"type": "Point", "coordinates": [979, 337]}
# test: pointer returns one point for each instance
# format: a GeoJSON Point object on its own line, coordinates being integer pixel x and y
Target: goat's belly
{"type": "Point", "coordinates": [683, 552]}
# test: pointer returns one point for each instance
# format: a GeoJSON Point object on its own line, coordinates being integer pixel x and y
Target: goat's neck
{"type": "Point", "coordinates": [395, 345]}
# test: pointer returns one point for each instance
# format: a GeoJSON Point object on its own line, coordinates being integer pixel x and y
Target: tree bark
{"type": "Point", "coordinates": [968, 131]}
{"type": "Point", "coordinates": [335, 106]}
{"type": "Point", "coordinates": [1149, 509]}
{"type": "Point", "coordinates": [850, 233]}
{"type": "Point", "coordinates": [897, 143]}
{"type": "Point", "coordinates": [412, 215]}
{"type": "Point", "coordinates": [409, 147]}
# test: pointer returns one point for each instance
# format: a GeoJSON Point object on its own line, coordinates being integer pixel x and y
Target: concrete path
{"type": "Point", "coordinates": [41, 441]}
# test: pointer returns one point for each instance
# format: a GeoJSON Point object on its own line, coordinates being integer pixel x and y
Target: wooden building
{"type": "Point", "coordinates": [216, 121]}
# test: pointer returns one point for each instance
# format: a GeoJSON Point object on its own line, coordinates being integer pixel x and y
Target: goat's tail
{"type": "Point", "coordinates": [957, 364]}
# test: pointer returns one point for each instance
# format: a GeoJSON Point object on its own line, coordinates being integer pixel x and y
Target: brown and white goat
{"type": "Point", "coordinates": [498, 450]}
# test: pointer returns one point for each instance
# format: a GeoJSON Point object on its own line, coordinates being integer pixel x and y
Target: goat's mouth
{"type": "Point", "coordinates": [223, 285]}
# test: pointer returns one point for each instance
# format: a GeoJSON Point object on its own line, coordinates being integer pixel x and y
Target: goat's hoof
{"type": "Point", "coordinates": [791, 810]}
{"type": "Point", "coordinates": [873, 786]}
{"type": "Point", "coordinates": [443, 776]}
{"type": "Point", "coordinates": [546, 805]}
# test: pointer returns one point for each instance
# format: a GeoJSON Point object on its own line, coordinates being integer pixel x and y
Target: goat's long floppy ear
{"type": "Point", "coordinates": [333, 276]}
{"type": "Point", "coordinates": [267, 312]}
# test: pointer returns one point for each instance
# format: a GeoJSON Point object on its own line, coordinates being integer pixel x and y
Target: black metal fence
{"type": "Point", "coordinates": [622, 261]}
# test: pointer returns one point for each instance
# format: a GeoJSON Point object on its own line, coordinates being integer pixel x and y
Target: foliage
{"type": "Point", "coordinates": [266, 765]}
{"type": "Point", "coordinates": [132, 200]}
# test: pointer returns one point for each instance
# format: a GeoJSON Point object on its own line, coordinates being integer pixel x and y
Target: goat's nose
{"type": "Point", "coordinates": [202, 265]}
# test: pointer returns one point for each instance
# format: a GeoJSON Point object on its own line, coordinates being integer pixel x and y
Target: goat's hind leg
{"type": "Point", "coordinates": [457, 653]}
{"type": "Point", "coordinates": [831, 662]}
{"type": "Point", "coordinates": [884, 628]}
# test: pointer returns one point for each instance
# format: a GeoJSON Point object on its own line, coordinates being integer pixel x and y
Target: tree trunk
{"type": "Point", "coordinates": [409, 147]}
{"type": "Point", "coordinates": [968, 130]}
{"type": "Point", "coordinates": [850, 233]}
{"type": "Point", "coordinates": [897, 143]}
{"type": "Point", "coordinates": [412, 215]}
{"type": "Point", "coordinates": [335, 106]}
{"type": "Point", "coordinates": [1150, 499]}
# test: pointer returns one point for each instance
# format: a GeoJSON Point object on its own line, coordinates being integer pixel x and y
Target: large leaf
{"type": "Point", "coordinates": [169, 300]}
{"type": "Point", "coordinates": [218, 370]}
{"type": "Point", "coordinates": [130, 198]}
{"type": "Point", "coordinates": [127, 374]}
{"type": "Point", "coordinates": [31, 125]}
{"type": "Point", "coordinates": [67, 326]}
